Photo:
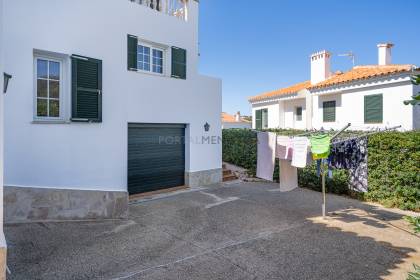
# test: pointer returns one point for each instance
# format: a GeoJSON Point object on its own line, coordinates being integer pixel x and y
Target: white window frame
{"type": "Point", "coordinates": [152, 46]}
{"type": "Point", "coordinates": [63, 93]}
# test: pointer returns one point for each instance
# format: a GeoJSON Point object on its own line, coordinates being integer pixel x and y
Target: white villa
{"type": "Point", "coordinates": [369, 97]}
{"type": "Point", "coordinates": [105, 102]}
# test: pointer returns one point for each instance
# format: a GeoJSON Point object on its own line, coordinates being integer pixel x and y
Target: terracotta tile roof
{"type": "Point", "coordinates": [284, 91]}
{"type": "Point", "coordinates": [361, 73]}
{"type": "Point", "coordinates": [357, 73]}
{"type": "Point", "coordinates": [231, 118]}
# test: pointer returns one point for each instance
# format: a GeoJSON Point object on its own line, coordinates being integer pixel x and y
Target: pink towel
{"type": "Point", "coordinates": [284, 148]}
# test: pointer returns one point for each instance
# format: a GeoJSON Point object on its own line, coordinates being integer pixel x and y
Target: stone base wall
{"type": "Point", "coordinates": [203, 178]}
{"type": "Point", "coordinates": [39, 204]}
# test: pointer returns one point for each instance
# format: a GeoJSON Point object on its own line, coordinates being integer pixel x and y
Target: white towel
{"type": "Point", "coordinates": [284, 148]}
{"type": "Point", "coordinates": [300, 151]}
{"type": "Point", "coordinates": [266, 155]}
{"type": "Point", "coordinates": [288, 176]}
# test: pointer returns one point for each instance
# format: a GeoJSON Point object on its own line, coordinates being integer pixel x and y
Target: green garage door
{"type": "Point", "coordinates": [156, 157]}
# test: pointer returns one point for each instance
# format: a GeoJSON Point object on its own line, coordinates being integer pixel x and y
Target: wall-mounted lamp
{"type": "Point", "coordinates": [7, 78]}
{"type": "Point", "coordinates": [206, 127]}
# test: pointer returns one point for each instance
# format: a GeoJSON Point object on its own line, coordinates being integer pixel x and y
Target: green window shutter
{"type": "Point", "coordinates": [374, 108]}
{"type": "Point", "coordinates": [179, 63]}
{"type": "Point", "coordinates": [258, 119]}
{"type": "Point", "coordinates": [86, 89]}
{"type": "Point", "coordinates": [329, 111]}
{"type": "Point", "coordinates": [299, 113]}
{"type": "Point", "coordinates": [265, 118]}
{"type": "Point", "coordinates": [132, 43]}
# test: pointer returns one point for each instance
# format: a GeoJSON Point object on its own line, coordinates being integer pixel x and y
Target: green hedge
{"type": "Point", "coordinates": [393, 162]}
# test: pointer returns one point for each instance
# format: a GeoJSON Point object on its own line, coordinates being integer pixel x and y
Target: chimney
{"type": "Point", "coordinates": [238, 116]}
{"type": "Point", "coordinates": [320, 66]}
{"type": "Point", "coordinates": [384, 53]}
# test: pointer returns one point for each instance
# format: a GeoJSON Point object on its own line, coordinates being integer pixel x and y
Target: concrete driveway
{"type": "Point", "coordinates": [230, 231]}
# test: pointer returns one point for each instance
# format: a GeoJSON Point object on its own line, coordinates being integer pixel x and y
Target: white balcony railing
{"type": "Point", "coordinates": [176, 8]}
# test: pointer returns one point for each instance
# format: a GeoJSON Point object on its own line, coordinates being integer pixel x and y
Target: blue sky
{"type": "Point", "coordinates": [258, 46]}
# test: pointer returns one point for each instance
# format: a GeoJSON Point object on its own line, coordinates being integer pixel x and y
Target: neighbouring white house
{"type": "Point", "coordinates": [106, 102]}
{"type": "Point", "coordinates": [368, 97]}
{"type": "Point", "coordinates": [235, 121]}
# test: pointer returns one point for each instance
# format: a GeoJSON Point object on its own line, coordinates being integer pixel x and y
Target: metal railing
{"type": "Point", "coordinates": [176, 8]}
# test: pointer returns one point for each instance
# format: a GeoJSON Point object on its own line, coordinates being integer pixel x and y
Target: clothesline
{"type": "Point", "coordinates": [367, 134]}
{"type": "Point", "coordinates": [313, 131]}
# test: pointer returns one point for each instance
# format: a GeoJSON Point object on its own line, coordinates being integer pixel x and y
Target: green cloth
{"type": "Point", "coordinates": [320, 146]}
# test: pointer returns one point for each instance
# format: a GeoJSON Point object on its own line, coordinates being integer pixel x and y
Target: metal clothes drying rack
{"type": "Point", "coordinates": [324, 173]}
{"type": "Point", "coordinates": [323, 169]}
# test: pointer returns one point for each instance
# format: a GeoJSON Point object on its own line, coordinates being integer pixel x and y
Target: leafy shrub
{"type": "Point", "coordinates": [393, 162]}
{"type": "Point", "coordinates": [415, 222]}
{"type": "Point", "coordinates": [414, 275]}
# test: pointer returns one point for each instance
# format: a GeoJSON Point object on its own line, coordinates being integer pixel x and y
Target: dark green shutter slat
{"type": "Point", "coordinates": [258, 119]}
{"type": "Point", "coordinates": [179, 63]}
{"type": "Point", "coordinates": [373, 108]}
{"type": "Point", "coordinates": [132, 43]}
{"type": "Point", "coordinates": [86, 89]}
{"type": "Point", "coordinates": [329, 111]}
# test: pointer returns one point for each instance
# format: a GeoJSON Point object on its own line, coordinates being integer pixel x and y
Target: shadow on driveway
{"type": "Point", "coordinates": [230, 231]}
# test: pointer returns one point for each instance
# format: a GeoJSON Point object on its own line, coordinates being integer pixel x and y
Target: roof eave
{"type": "Point", "coordinates": [348, 83]}
{"type": "Point", "coordinates": [275, 98]}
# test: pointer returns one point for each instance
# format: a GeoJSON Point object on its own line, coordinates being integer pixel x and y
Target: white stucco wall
{"type": "Point", "coordinates": [273, 113]}
{"type": "Point", "coordinates": [94, 156]}
{"type": "Point", "coordinates": [290, 120]}
{"type": "Point", "coordinates": [1, 115]}
{"type": "Point", "coordinates": [350, 107]}
{"type": "Point", "coordinates": [282, 112]}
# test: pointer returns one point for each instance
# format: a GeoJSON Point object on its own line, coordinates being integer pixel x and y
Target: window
{"type": "Point", "coordinates": [48, 80]}
{"type": "Point", "coordinates": [261, 119]}
{"type": "Point", "coordinates": [298, 113]}
{"type": "Point", "coordinates": [144, 56]}
{"type": "Point", "coordinates": [329, 111]}
{"type": "Point", "coordinates": [157, 61]}
{"type": "Point", "coordinates": [265, 118]}
{"type": "Point", "coordinates": [149, 59]}
{"type": "Point", "coordinates": [152, 57]}
{"type": "Point", "coordinates": [373, 108]}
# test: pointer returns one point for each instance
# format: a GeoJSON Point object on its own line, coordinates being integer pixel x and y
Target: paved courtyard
{"type": "Point", "coordinates": [229, 231]}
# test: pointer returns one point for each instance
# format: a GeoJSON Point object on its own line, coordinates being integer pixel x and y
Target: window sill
{"type": "Point", "coordinates": [149, 73]}
{"type": "Point", "coordinates": [51, 122]}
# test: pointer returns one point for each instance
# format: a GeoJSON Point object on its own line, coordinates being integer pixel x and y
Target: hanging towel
{"type": "Point", "coordinates": [284, 148]}
{"type": "Point", "coordinates": [288, 176]}
{"type": "Point", "coordinates": [300, 151]}
{"type": "Point", "coordinates": [266, 155]}
{"type": "Point", "coordinates": [320, 146]}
